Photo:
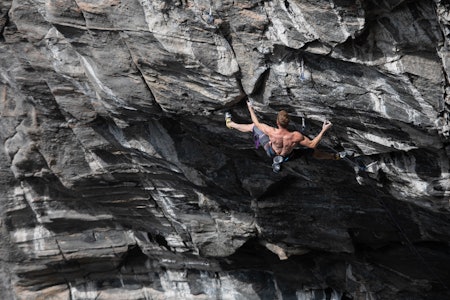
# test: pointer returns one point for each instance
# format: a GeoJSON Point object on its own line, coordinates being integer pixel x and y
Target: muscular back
{"type": "Point", "coordinates": [283, 141]}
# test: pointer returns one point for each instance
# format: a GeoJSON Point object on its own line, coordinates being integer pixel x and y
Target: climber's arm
{"type": "Point", "coordinates": [305, 141]}
{"type": "Point", "coordinates": [263, 127]}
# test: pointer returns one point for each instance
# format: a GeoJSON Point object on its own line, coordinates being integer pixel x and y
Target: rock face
{"type": "Point", "coordinates": [121, 181]}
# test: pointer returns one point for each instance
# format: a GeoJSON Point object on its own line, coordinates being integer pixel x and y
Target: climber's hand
{"type": "Point", "coordinates": [326, 125]}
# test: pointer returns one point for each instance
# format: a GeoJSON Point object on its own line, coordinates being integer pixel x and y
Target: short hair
{"type": "Point", "coordinates": [283, 119]}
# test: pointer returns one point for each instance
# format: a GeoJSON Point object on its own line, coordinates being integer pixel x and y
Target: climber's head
{"type": "Point", "coordinates": [283, 119]}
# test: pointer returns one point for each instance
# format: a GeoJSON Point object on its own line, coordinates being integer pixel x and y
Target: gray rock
{"type": "Point", "coordinates": [119, 179]}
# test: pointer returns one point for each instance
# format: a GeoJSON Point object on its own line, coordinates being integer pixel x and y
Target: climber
{"type": "Point", "coordinates": [279, 143]}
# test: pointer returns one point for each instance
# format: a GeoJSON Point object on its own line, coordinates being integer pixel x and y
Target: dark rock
{"type": "Point", "coordinates": [120, 180]}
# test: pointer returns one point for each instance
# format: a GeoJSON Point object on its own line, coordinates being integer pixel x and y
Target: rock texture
{"type": "Point", "coordinates": [119, 179]}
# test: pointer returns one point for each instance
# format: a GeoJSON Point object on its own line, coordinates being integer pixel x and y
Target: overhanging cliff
{"type": "Point", "coordinates": [121, 181]}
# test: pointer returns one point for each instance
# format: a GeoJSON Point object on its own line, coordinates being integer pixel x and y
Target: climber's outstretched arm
{"type": "Point", "coordinates": [315, 141]}
{"type": "Point", "coordinates": [263, 127]}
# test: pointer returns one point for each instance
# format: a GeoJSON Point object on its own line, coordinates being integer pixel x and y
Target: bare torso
{"type": "Point", "coordinates": [283, 141]}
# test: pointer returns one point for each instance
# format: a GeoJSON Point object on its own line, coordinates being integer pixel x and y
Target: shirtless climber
{"type": "Point", "coordinates": [279, 143]}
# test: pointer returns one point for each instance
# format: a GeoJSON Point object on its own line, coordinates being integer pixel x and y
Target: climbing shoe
{"type": "Point", "coordinates": [344, 154]}
{"type": "Point", "coordinates": [228, 119]}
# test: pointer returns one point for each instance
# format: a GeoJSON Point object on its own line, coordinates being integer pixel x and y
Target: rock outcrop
{"type": "Point", "coordinates": [121, 181]}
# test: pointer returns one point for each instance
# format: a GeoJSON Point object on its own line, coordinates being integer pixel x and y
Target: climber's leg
{"type": "Point", "coordinates": [241, 127]}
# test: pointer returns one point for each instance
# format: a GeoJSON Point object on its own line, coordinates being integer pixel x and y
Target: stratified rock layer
{"type": "Point", "coordinates": [121, 181]}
